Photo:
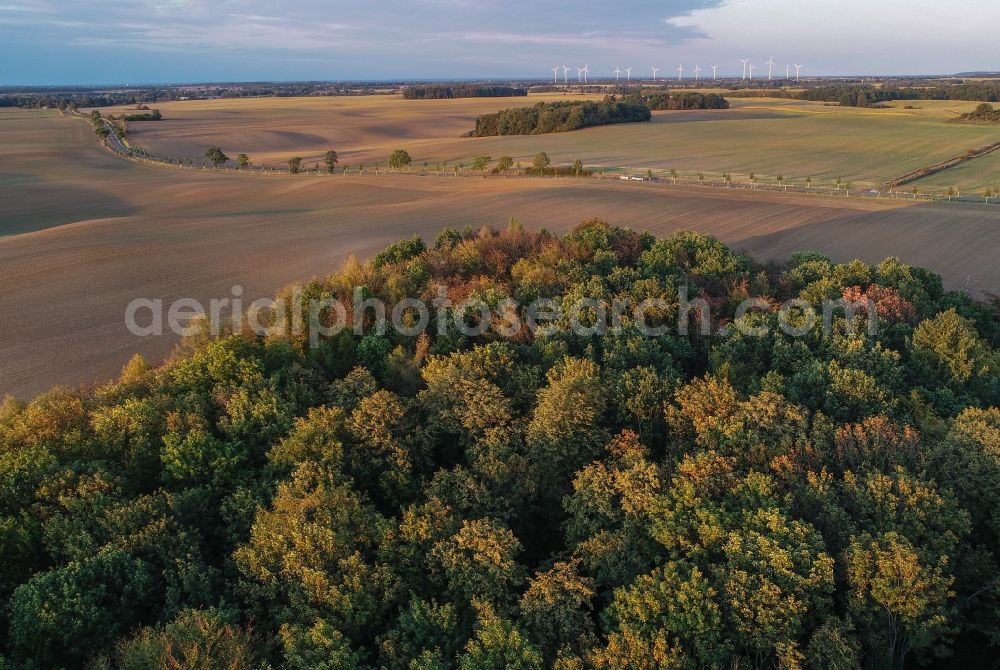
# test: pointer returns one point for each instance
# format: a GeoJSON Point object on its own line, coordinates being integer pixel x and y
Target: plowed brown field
{"type": "Point", "coordinates": [83, 232]}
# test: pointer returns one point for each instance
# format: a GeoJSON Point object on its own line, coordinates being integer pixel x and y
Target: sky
{"type": "Point", "coordinates": [53, 42]}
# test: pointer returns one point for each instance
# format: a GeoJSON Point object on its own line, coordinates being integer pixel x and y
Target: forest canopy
{"type": "Point", "coordinates": [547, 499]}
{"type": "Point", "coordinates": [558, 117]}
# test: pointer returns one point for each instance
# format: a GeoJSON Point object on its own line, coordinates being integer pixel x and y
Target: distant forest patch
{"type": "Point", "coordinates": [660, 101]}
{"type": "Point", "coordinates": [866, 96]}
{"type": "Point", "coordinates": [151, 115]}
{"type": "Point", "coordinates": [462, 91]}
{"type": "Point", "coordinates": [558, 117]}
{"type": "Point", "coordinates": [984, 113]}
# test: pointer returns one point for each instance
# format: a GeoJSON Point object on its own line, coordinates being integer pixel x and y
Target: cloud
{"type": "Point", "coordinates": [342, 25]}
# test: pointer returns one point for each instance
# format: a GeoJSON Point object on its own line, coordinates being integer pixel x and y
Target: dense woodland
{"type": "Point", "coordinates": [866, 96]}
{"type": "Point", "coordinates": [444, 92]}
{"type": "Point", "coordinates": [558, 117]}
{"type": "Point", "coordinates": [556, 499]}
{"type": "Point", "coordinates": [666, 101]}
{"type": "Point", "coordinates": [151, 115]}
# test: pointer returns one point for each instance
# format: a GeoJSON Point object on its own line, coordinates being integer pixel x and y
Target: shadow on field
{"type": "Point", "coordinates": [957, 240]}
{"type": "Point", "coordinates": [39, 204]}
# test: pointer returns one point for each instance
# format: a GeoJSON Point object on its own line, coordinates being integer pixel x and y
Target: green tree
{"type": "Point", "coordinates": [318, 646]}
{"type": "Point", "coordinates": [312, 549]}
{"type": "Point", "coordinates": [295, 165]}
{"type": "Point", "coordinates": [674, 605]}
{"type": "Point", "coordinates": [399, 159]}
{"type": "Point", "coordinates": [207, 639]}
{"type": "Point", "coordinates": [498, 645]}
{"type": "Point", "coordinates": [541, 162]}
{"type": "Point", "coordinates": [505, 163]}
{"type": "Point", "coordinates": [948, 350]}
{"type": "Point", "coordinates": [833, 646]}
{"type": "Point", "coordinates": [216, 156]}
{"type": "Point", "coordinates": [479, 562]}
{"type": "Point", "coordinates": [331, 160]}
{"type": "Point", "coordinates": [556, 610]}
{"type": "Point", "coordinates": [195, 457]}
{"type": "Point", "coordinates": [378, 456]}
{"type": "Point", "coordinates": [480, 163]}
{"type": "Point", "coordinates": [565, 432]}
{"type": "Point", "coordinates": [242, 161]}
{"type": "Point", "coordinates": [578, 167]}
{"type": "Point", "coordinates": [424, 628]}
{"type": "Point", "coordinates": [64, 616]}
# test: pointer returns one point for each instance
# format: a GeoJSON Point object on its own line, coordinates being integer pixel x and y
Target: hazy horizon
{"type": "Point", "coordinates": [107, 42]}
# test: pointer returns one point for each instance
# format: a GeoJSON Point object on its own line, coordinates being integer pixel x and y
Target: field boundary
{"type": "Point", "coordinates": [927, 171]}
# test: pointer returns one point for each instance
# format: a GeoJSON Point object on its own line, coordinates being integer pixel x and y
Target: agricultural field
{"type": "Point", "coordinates": [971, 178]}
{"type": "Point", "coordinates": [83, 232]}
{"type": "Point", "coordinates": [769, 137]}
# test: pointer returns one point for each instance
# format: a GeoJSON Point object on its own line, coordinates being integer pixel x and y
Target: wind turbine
{"type": "Point", "coordinates": [618, 73]}
{"type": "Point", "coordinates": [788, 72]}
{"type": "Point", "coordinates": [697, 72]}
{"type": "Point", "coordinates": [680, 72]}
{"type": "Point", "coordinates": [565, 74]}
{"type": "Point", "coordinates": [586, 73]}
{"type": "Point", "coordinates": [770, 68]}
{"type": "Point", "coordinates": [745, 66]}
{"type": "Point", "coordinates": [579, 74]}
{"type": "Point", "coordinates": [555, 75]}
{"type": "Point", "coordinates": [798, 68]}
{"type": "Point", "coordinates": [750, 65]}
{"type": "Point", "coordinates": [715, 72]}
{"type": "Point", "coordinates": [628, 73]}
{"type": "Point", "coordinates": [655, 70]}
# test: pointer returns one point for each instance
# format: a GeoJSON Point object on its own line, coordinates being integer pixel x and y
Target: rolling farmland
{"type": "Point", "coordinates": [86, 232]}
{"type": "Point", "coordinates": [767, 136]}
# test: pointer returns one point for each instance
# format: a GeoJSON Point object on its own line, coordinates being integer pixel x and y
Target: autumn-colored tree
{"type": "Point", "coordinates": [900, 600]}
{"type": "Point", "coordinates": [568, 496]}
{"type": "Point", "coordinates": [479, 562]}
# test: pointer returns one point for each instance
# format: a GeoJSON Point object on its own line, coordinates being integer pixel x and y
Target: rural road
{"type": "Point", "coordinates": [117, 145]}
{"type": "Point", "coordinates": [89, 232]}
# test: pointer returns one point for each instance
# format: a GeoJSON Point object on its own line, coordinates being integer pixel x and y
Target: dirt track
{"type": "Point", "coordinates": [164, 234]}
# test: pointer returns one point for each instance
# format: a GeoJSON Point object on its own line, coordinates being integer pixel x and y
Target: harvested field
{"type": "Point", "coordinates": [87, 232]}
